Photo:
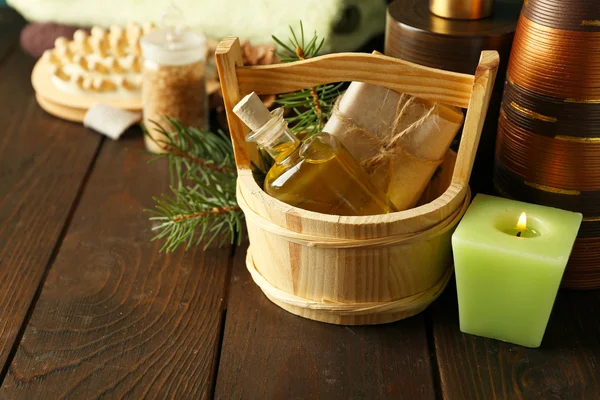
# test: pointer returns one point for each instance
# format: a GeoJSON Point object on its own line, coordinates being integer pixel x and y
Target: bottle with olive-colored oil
{"type": "Point", "coordinates": [318, 174]}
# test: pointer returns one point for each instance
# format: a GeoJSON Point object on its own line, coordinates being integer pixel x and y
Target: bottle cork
{"type": "Point", "coordinates": [252, 111]}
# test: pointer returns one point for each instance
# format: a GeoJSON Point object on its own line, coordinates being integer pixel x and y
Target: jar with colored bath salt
{"type": "Point", "coordinates": [173, 82]}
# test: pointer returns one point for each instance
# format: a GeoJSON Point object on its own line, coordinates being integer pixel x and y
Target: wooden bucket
{"type": "Point", "coordinates": [355, 270]}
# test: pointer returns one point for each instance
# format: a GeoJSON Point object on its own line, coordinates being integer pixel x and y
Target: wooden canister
{"type": "Point", "coordinates": [453, 41]}
{"type": "Point", "coordinates": [548, 149]}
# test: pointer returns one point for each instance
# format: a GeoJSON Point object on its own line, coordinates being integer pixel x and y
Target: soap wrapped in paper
{"type": "Point", "coordinates": [399, 139]}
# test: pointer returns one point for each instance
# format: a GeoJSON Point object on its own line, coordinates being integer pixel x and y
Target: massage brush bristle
{"type": "Point", "coordinates": [82, 61]}
{"type": "Point", "coordinates": [60, 73]}
{"type": "Point", "coordinates": [61, 42]}
{"type": "Point", "coordinates": [117, 46]}
{"type": "Point", "coordinates": [133, 32]}
{"type": "Point", "coordinates": [136, 64]}
{"type": "Point", "coordinates": [80, 38]}
{"type": "Point", "coordinates": [99, 46]}
{"type": "Point", "coordinates": [97, 66]}
{"type": "Point", "coordinates": [103, 85]}
{"type": "Point", "coordinates": [116, 31]}
{"type": "Point", "coordinates": [101, 60]}
{"type": "Point", "coordinates": [98, 32]}
{"type": "Point", "coordinates": [87, 83]}
{"type": "Point", "coordinates": [50, 57]}
{"type": "Point", "coordinates": [77, 80]}
{"type": "Point", "coordinates": [126, 83]}
{"type": "Point", "coordinates": [113, 65]}
{"type": "Point", "coordinates": [148, 27]}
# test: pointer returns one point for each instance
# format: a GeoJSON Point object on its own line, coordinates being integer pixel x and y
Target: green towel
{"type": "Point", "coordinates": [346, 24]}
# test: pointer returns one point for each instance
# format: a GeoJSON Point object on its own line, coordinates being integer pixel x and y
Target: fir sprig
{"type": "Point", "coordinates": [195, 214]}
{"type": "Point", "coordinates": [193, 153]}
{"type": "Point", "coordinates": [311, 108]}
{"type": "Point", "coordinates": [201, 206]}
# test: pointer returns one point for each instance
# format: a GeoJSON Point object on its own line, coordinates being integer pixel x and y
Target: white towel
{"type": "Point", "coordinates": [253, 20]}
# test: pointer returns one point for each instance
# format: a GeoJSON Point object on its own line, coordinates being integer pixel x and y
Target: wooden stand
{"type": "Point", "coordinates": [354, 270]}
{"type": "Point", "coordinates": [64, 112]}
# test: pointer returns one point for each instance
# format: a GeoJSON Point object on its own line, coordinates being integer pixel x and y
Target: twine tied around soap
{"type": "Point", "coordinates": [392, 144]}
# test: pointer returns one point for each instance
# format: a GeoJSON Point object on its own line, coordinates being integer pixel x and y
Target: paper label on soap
{"type": "Point", "coordinates": [110, 121]}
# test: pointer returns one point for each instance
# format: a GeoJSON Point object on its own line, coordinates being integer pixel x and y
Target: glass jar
{"type": "Point", "coordinates": [173, 82]}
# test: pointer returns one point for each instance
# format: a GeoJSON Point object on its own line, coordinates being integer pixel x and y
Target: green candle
{"type": "Point", "coordinates": [509, 259]}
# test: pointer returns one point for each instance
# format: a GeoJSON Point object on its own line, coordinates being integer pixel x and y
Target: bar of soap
{"type": "Point", "coordinates": [110, 121]}
{"type": "Point", "coordinates": [399, 139]}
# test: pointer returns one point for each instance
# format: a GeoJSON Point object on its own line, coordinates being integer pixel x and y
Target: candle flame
{"type": "Point", "coordinates": [522, 224]}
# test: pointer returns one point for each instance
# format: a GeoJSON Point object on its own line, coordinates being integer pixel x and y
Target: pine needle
{"type": "Point", "coordinates": [201, 206]}
{"type": "Point", "coordinates": [311, 107]}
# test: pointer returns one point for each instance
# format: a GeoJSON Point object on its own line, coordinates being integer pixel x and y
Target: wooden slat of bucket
{"type": "Point", "coordinates": [309, 360]}
{"type": "Point", "coordinates": [401, 76]}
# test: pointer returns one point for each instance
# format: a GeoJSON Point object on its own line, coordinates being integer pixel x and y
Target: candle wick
{"type": "Point", "coordinates": [519, 234]}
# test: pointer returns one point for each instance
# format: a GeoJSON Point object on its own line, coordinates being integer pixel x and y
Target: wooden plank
{"type": "Point", "coordinates": [116, 318]}
{"type": "Point", "coordinates": [10, 26]}
{"type": "Point", "coordinates": [566, 366]}
{"type": "Point", "coordinates": [269, 353]}
{"type": "Point", "coordinates": [399, 75]}
{"type": "Point", "coordinates": [43, 164]}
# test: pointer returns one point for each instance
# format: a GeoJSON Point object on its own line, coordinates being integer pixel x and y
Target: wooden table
{"type": "Point", "coordinates": [89, 307]}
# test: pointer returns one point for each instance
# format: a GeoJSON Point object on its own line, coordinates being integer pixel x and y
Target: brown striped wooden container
{"type": "Point", "coordinates": [548, 148]}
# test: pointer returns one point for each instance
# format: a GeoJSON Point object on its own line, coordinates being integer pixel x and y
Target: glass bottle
{"type": "Point", "coordinates": [318, 174]}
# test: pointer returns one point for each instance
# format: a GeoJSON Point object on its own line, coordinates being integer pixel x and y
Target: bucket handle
{"type": "Point", "coordinates": [462, 90]}
{"type": "Point", "coordinates": [483, 86]}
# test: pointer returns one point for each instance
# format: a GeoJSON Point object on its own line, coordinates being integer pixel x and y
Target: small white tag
{"type": "Point", "coordinates": [110, 121]}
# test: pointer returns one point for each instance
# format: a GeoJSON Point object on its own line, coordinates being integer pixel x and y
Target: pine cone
{"type": "Point", "coordinates": [262, 54]}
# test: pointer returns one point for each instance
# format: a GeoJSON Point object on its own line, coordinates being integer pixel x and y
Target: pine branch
{"type": "Point", "coordinates": [202, 206]}
{"type": "Point", "coordinates": [198, 161]}
{"type": "Point", "coordinates": [311, 107]}
{"type": "Point", "coordinates": [192, 215]}
{"type": "Point", "coordinates": [193, 153]}
{"type": "Point", "coordinates": [214, 211]}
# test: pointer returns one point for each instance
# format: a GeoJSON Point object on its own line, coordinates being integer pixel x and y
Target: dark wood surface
{"type": "Point", "coordinates": [270, 353]}
{"type": "Point", "coordinates": [10, 26]}
{"type": "Point", "coordinates": [566, 366]}
{"type": "Point", "coordinates": [43, 165]}
{"type": "Point", "coordinates": [89, 307]}
{"type": "Point", "coordinates": [116, 317]}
